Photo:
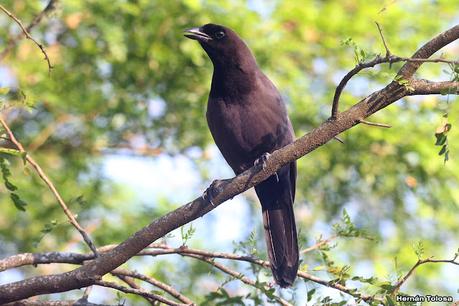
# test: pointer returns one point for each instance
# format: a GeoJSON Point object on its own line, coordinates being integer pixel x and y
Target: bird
{"type": "Point", "coordinates": [248, 120]}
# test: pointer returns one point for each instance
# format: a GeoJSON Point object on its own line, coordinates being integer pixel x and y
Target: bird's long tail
{"type": "Point", "coordinates": [276, 195]}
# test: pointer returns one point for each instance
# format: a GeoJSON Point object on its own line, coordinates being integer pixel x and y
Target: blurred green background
{"type": "Point", "coordinates": [119, 125]}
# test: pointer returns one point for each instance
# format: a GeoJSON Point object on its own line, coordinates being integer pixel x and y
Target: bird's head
{"type": "Point", "coordinates": [222, 45]}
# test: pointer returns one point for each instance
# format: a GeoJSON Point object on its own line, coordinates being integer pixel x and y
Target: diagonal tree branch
{"type": "Point", "coordinates": [421, 262]}
{"type": "Point", "coordinates": [92, 271]}
{"type": "Point", "coordinates": [51, 187]}
{"type": "Point", "coordinates": [131, 283]}
{"type": "Point", "coordinates": [27, 34]}
{"type": "Point", "coordinates": [140, 292]}
{"type": "Point", "coordinates": [151, 280]}
{"type": "Point", "coordinates": [388, 58]}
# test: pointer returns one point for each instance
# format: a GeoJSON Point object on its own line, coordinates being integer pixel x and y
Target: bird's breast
{"type": "Point", "coordinates": [244, 131]}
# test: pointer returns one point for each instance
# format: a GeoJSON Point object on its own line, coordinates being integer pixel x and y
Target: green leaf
{"type": "Point", "coordinates": [441, 139]}
{"type": "Point", "coordinates": [20, 204]}
{"type": "Point", "coordinates": [443, 150]}
{"type": "Point", "coordinates": [419, 249]}
{"type": "Point", "coordinates": [10, 186]}
{"type": "Point", "coordinates": [188, 234]}
{"type": "Point", "coordinates": [310, 294]}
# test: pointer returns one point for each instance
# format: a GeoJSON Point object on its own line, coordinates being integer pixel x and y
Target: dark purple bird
{"type": "Point", "coordinates": [248, 119]}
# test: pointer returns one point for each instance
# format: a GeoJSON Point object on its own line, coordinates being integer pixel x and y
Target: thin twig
{"type": "Point", "coordinates": [139, 292]}
{"type": "Point", "coordinates": [28, 36]}
{"type": "Point", "coordinates": [338, 139]}
{"type": "Point", "coordinates": [51, 186]}
{"type": "Point", "coordinates": [388, 54]}
{"type": "Point", "coordinates": [421, 262]}
{"type": "Point", "coordinates": [167, 288]}
{"type": "Point", "coordinates": [238, 276]}
{"type": "Point", "coordinates": [263, 263]}
{"type": "Point", "coordinates": [131, 283]}
{"type": "Point", "coordinates": [388, 58]}
{"type": "Point", "coordinates": [383, 125]}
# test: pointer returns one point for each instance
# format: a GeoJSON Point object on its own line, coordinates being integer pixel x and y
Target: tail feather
{"type": "Point", "coordinates": [276, 195]}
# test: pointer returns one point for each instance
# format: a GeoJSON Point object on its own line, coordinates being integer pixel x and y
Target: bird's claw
{"type": "Point", "coordinates": [212, 191]}
{"type": "Point", "coordinates": [261, 161]}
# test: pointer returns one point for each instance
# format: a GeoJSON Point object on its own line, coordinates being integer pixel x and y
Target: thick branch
{"type": "Point", "coordinates": [42, 258]}
{"type": "Point", "coordinates": [425, 87]}
{"type": "Point", "coordinates": [93, 270]}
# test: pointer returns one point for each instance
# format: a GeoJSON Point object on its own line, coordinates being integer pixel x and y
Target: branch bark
{"type": "Point", "coordinates": [92, 271]}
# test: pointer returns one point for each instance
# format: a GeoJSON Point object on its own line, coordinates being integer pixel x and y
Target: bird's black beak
{"type": "Point", "coordinates": [196, 34]}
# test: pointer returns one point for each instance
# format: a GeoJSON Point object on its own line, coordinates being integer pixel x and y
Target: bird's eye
{"type": "Point", "coordinates": [219, 35]}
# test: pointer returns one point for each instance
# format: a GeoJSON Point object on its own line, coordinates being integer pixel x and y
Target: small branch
{"type": "Point", "coordinates": [27, 35]}
{"type": "Point", "coordinates": [139, 292]}
{"type": "Point", "coordinates": [25, 259]}
{"type": "Point", "coordinates": [169, 289]}
{"type": "Point", "coordinates": [318, 245]}
{"type": "Point", "coordinates": [383, 125]}
{"type": "Point", "coordinates": [388, 54]}
{"type": "Point", "coordinates": [338, 139]}
{"type": "Point", "coordinates": [206, 256]}
{"type": "Point", "coordinates": [337, 286]}
{"type": "Point", "coordinates": [239, 276]}
{"type": "Point", "coordinates": [425, 87]}
{"type": "Point", "coordinates": [51, 186]}
{"type": "Point", "coordinates": [131, 283]}
{"type": "Point", "coordinates": [388, 58]}
{"type": "Point", "coordinates": [421, 262]}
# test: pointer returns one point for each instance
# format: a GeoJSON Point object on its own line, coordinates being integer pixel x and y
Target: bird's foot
{"type": "Point", "coordinates": [261, 161]}
{"type": "Point", "coordinates": [213, 190]}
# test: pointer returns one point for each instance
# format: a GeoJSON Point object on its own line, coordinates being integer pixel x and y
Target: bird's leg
{"type": "Point", "coordinates": [262, 161]}
{"type": "Point", "coordinates": [213, 190]}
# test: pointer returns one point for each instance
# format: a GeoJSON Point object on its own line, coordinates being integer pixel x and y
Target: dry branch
{"type": "Point", "coordinates": [27, 34]}
{"type": "Point", "coordinates": [169, 289]}
{"type": "Point", "coordinates": [388, 58]}
{"type": "Point", "coordinates": [139, 292]}
{"type": "Point", "coordinates": [421, 262]}
{"type": "Point", "coordinates": [206, 256]}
